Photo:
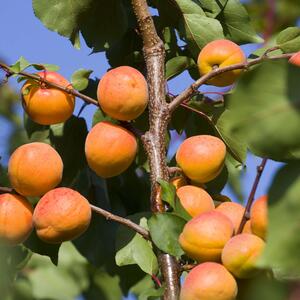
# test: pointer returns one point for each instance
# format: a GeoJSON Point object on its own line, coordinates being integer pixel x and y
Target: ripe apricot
{"type": "Point", "coordinates": [123, 93]}
{"type": "Point", "coordinates": [47, 105]}
{"type": "Point", "coordinates": [61, 215]}
{"type": "Point", "coordinates": [221, 53]}
{"type": "Point", "coordinates": [195, 200]}
{"type": "Point", "coordinates": [201, 157]}
{"type": "Point", "coordinates": [15, 219]}
{"type": "Point", "coordinates": [234, 212]}
{"type": "Point", "coordinates": [110, 149]}
{"type": "Point", "coordinates": [259, 217]}
{"type": "Point", "coordinates": [209, 281]}
{"type": "Point", "coordinates": [241, 253]}
{"type": "Point", "coordinates": [247, 227]}
{"type": "Point", "coordinates": [34, 169]}
{"type": "Point", "coordinates": [295, 59]}
{"type": "Point", "coordinates": [204, 237]}
{"type": "Point", "coordinates": [178, 182]}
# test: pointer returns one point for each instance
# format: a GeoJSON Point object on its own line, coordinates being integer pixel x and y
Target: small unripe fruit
{"type": "Point", "coordinates": [209, 281]}
{"type": "Point", "coordinates": [233, 211]}
{"type": "Point", "coordinates": [110, 149]}
{"type": "Point", "coordinates": [48, 105]}
{"type": "Point", "coordinates": [241, 253]}
{"type": "Point", "coordinates": [123, 93]}
{"type": "Point", "coordinates": [259, 217]}
{"type": "Point", "coordinates": [295, 59]}
{"type": "Point", "coordinates": [221, 53]}
{"type": "Point", "coordinates": [61, 215]}
{"type": "Point", "coordinates": [204, 237]}
{"type": "Point", "coordinates": [247, 227]}
{"type": "Point", "coordinates": [195, 200]}
{"type": "Point", "coordinates": [15, 219]}
{"type": "Point", "coordinates": [178, 182]}
{"type": "Point", "coordinates": [35, 169]}
{"type": "Point", "coordinates": [201, 157]}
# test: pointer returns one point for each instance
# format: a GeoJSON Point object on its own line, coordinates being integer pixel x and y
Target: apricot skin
{"type": "Point", "coordinates": [221, 53]}
{"type": "Point", "coordinates": [34, 169]}
{"type": "Point", "coordinates": [195, 200]}
{"type": "Point", "coordinates": [61, 215]}
{"type": "Point", "coordinates": [247, 227]}
{"type": "Point", "coordinates": [204, 237]}
{"type": "Point", "coordinates": [15, 219]}
{"type": "Point", "coordinates": [123, 93]}
{"type": "Point", "coordinates": [295, 59]}
{"type": "Point", "coordinates": [259, 217]}
{"type": "Point", "coordinates": [241, 253]}
{"type": "Point", "coordinates": [48, 105]}
{"type": "Point", "coordinates": [201, 157]}
{"type": "Point", "coordinates": [209, 281]}
{"type": "Point", "coordinates": [233, 211]}
{"type": "Point", "coordinates": [110, 149]}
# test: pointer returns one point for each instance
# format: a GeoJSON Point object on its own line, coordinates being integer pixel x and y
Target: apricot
{"type": "Point", "coordinates": [234, 212]}
{"type": "Point", "coordinates": [201, 157]}
{"type": "Point", "coordinates": [241, 253]}
{"type": "Point", "coordinates": [209, 281]}
{"type": "Point", "coordinates": [110, 149]}
{"type": "Point", "coordinates": [123, 93]}
{"type": "Point", "coordinates": [259, 217]}
{"type": "Point", "coordinates": [247, 227]}
{"type": "Point", "coordinates": [204, 237]}
{"type": "Point", "coordinates": [48, 105]}
{"type": "Point", "coordinates": [61, 215]}
{"type": "Point", "coordinates": [195, 200]}
{"type": "Point", "coordinates": [220, 54]}
{"type": "Point", "coordinates": [295, 59]}
{"type": "Point", "coordinates": [178, 182]}
{"type": "Point", "coordinates": [15, 219]}
{"type": "Point", "coordinates": [34, 169]}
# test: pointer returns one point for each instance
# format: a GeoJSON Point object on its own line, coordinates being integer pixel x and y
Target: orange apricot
{"type": "Point", "coordinates": [201, 157]}
{"type": "Point", "coordinates": [209, 281]}
{"type": "Point", "coordinates": [220, 54]}
{"type": "Point", "coordinates": [110, 149]}
{"type": "Point", "coordinates": [195, 200]}
{"type": "Point", "coordinates": [241, 253]}
{"type": "Point", "coordinates": [178, 182]}
{"type": "Point", "coordinates": [61, 215]}
{"type": "Point", "coordinates": [295, 59]}
{"type": "Point", "coordinates": [204, 237]}
{"type": "Point", "coordinates": [247, 227]}
{"type": "Point", "coordinates": [259, 217]}
{"type": "Point", "coordinates": [234, 212]}
{"type": "Point", "coordinates": [15, 219]}
{"type": "Point", "coordinates": [47, 105]}
{"type": "Point", "coordinates": [34, 169]}
{"type": "Point", "coordinates": [123, 93]}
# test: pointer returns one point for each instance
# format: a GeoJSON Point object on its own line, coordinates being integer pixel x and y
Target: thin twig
{"type": "Point", "coordinates": [188, 267]}
{"type": "Point", "coordinates": [4, 190]}
{"type": "Point", "coordinates": [173, 170]}
{"type": "Point", "coordinates": [246, 216]}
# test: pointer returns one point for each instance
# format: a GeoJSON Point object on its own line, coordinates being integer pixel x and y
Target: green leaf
{"type": "Point", "coordinates": [264, 100]}
{"type": "Point", "coordinates": [20, 65]}
{"type": "Point", "coordinates": [237, 24]}
{"type": "Point", "coordinates": [36, 132]}
{"type": "Point", "coordinates": [165, 229]}
{"type": "Point", "coordinates": [48, 67]}
{"type": "Point", "coordinates": [138, 251]}
{"type": "Point", "coordinates": [213, 7]}
{"type": "Point", "coordinates": [190, 7]}
{"type": "Point", "coordinates": [80, 79]}
{"type": "Point", "coordinates": [177, 65]}
{"type": "Point", "coordinates": [100, 116]}
{"type": "Point", "coordinates": [100, 22]}
{"type": "Point", "coordinates": [282, 249]}
{"type": "Point", "coordinates": [288, 40]}
{"type": "Point", "coordinates": [152, 294]}
{"type": "Point", "coordinates": [168, 192]}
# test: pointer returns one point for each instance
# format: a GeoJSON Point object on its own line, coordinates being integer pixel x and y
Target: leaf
{"type": "Point", "coordinates": [236, 23]}
{"type": "Point", "coordinates": [283, 228]}
{"type": "Point", "coordinates": [138, 251]}
{"type": "Point", "coordinates": [100, 116]}
{"type": "Point", "coordinates": [152, 294]}
{"type": "Point", "coordinates": [168, 192]}
{"type": "Point", "coordinates": [165, 229]}
{"type": "Point", "coordinates": [190, 7]}
{"type": "Point", "coordinates": [80, 79]}
{"type": "Point", "coordinates": [213, 7]}
{"type": "Point", "coordinates": [288, 40]}
{"type": "Point", "coordinates": [20, 65]}
{"type": "Point", "coordinates": [100, 22]}
{"type": "Point", "coordinates": [177, 65]}
{"type": "Point", "coordinates": [259, 110]}
{"type": "Point", "coordinates": [48, 67]}
{"type": "Point", "coordinates": [36, 132]}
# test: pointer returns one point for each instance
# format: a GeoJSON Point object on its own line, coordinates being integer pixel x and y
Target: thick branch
{"type": "Point", "coordinates": [250, 200]}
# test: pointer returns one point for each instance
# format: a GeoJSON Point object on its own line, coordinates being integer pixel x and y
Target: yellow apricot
{"type": "Point", "coordinates": [61, 215]}
{"type": "Point", "coordinates": [201, 157]}
{"type": "Point", "coordinates": [48, 105]}
{"type": "Point", "coordinates": [15, 219]}
{"type": "Point", "coordinates": [204, 237]}
{"type": "Point", "coordinates": [221, 53]}
{"type": "Point", "coordinates": [34, 169]}
{"type": "Point", "coordinates": [259, 217]}
{"type": "Point", "coordinates": [195, 200]}
{"type": "Point", "coordinates": [110, 149]}
{"type": "Point", "coordinates": [247, 227]}
{"type": "Point", "coordinates": [209, 281]}
{"type": "Point", "coordinates": [123, 93]}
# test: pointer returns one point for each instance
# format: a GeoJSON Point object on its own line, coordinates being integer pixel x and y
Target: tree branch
{"type": "Point", "coordinates": [250, 200]}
